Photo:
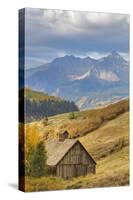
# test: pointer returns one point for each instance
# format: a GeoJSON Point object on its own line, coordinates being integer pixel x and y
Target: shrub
{"type": "Point", "coordinates": [45, 122]}
{"type": "Point", "coordinates": [72, 115]}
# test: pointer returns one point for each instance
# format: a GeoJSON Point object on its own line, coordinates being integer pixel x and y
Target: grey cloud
{"type": "Point", "coordinates": [50, 33]}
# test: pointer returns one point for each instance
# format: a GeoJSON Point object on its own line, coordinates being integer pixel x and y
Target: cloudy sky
{"type": "Point", "coordinates": [55, 33]}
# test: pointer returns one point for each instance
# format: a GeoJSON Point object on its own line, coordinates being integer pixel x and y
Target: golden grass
{"type": "Point", "coordinates": [35, 95]}
{"type": "Point", "coordinates": [43, 183]}
{"type": "Point", "coordinates": [84, 122]}
{"type": "Point", "coordinates": [109, 146]}
{"type": "Point", "coordinates": [111, 137]}
{"type": "Point", "coordinates": [111, 171]}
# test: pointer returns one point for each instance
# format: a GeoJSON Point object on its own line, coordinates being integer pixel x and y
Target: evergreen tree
{"type": "Point", "coordinates": [38, 164]}
{"type": "Point", "coordinates": [36, 110]}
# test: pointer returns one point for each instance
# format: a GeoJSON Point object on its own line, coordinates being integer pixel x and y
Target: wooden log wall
{"type": "Point", "coordinates": [76, 162]}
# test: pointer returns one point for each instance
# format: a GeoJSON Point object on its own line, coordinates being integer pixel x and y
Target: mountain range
{"type": "Point", "coordinates": [86, 81]}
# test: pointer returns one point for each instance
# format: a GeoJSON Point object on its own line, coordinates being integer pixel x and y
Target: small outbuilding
{"type": "Point", "coordinates": [68, 158]}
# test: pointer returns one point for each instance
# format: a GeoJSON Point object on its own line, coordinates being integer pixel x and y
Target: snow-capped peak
{"type": "Point", "coordinates": [115, 55]}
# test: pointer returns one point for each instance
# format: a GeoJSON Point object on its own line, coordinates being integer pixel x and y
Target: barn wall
{"type": "Point", "coordinates": [68, 171]}
{"type": "Point", "coordinates": [76, 162]}
{"type": "Point", "coordinates": [77, 155]}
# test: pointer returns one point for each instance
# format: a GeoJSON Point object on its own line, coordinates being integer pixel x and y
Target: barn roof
{"type": "Point", "coordinates": [56, 150]}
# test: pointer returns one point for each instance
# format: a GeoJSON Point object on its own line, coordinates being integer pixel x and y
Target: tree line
{"type": "Point", "coordinates": [36, 110]}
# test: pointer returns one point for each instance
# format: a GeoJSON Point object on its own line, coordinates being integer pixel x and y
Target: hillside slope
{"type": "Point", "coordinates": [111, 171]}
{"type": "Point", "coordinates": [108, 139]}
{"type": "Point", "coordinates": [83, 122]}
{"type": "Point", "coordinates": [109, 145]}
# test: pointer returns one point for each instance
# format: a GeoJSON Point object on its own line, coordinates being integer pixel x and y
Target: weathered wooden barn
{"type": "Point", "coordinates": [68, 158]}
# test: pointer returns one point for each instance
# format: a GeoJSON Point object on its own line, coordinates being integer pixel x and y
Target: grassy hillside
{"type": "Point", "coordinates": [108, 143]}
{"type": "Point", "coordinates": [36, 95]}
{"type": "Point", "coordinates": [109, 138]}
{"type": "Point", "coordinates": [84, 122]}
{"type": "Point", "coordinates": [111, 171]}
